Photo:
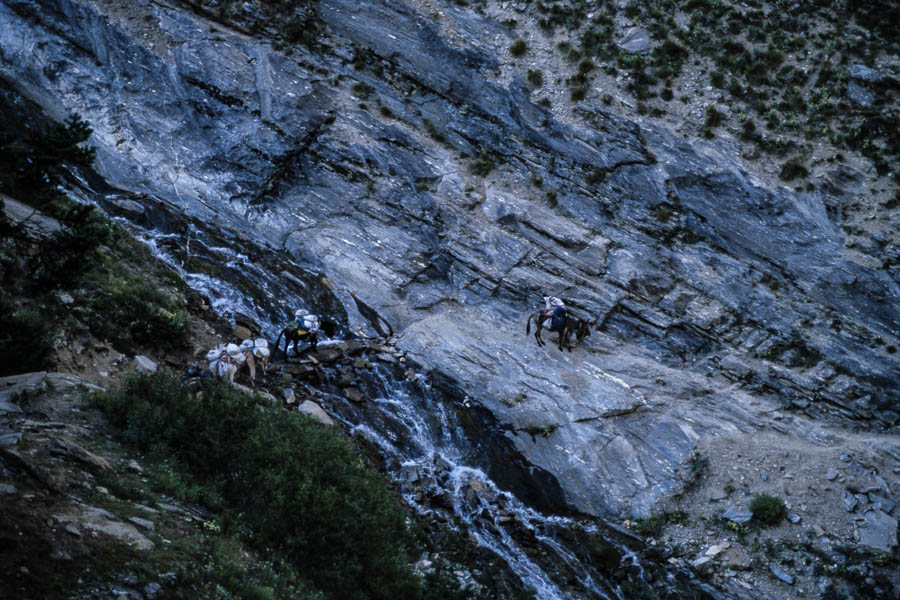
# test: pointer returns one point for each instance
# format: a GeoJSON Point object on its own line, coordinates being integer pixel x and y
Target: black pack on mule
{"type": "Point", "coordinates": [559, 319]}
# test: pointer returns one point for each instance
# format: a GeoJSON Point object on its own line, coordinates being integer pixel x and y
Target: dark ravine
{"type": "Point", "coordinates": [720, 296]}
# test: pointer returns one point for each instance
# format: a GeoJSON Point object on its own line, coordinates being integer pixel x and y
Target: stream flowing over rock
{"type": "Point", "coordinates": [717, 298]}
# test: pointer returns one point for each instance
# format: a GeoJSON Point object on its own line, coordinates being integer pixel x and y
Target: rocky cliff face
{"type": "Point", "coordinates": [394, 159]}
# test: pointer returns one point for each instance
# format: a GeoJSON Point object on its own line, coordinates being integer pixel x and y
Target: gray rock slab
{"type": "Point", "coordinates": [98, 520]}
{"type": "Point", "coordinates": [15, 386]}
{"type": "Point", "coordinates": [737, 516]}
{"type": "Point", "coordinates": [463, 269]}
{"type": "Point", "coordinates": [860, 95]}
{"type": "Point", "coordinates": [780, 574]}
{"type": "Point", "coordinates": [36, 224]}
{"type": "Point", "coordinates": [634, 40]}
{"type": "Point", "coordinates": [883, 504]}
{"type": "Point", "coordinates": [864, 73]}
{"type": "Point", "coordinates": [9, 407]}
{"type": "Point", "coordinates": [850, 500]}
{"type": "Point", "coordinates": [142, 523]}
{"type": "Point", "coordinates": [878, 531]}
{"type": "Point", "coordinates": [7, 440]}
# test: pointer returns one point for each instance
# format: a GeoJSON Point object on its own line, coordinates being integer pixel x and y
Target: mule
{"type": "Point", "coordinates": [571, 325]}
{"type": "Point", "coordinates": [256, 351]}
{"type": "Point", "coordinates": [295, 335]}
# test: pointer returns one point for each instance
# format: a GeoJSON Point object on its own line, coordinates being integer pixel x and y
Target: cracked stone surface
{"type": "Point", "coordinates": [717, 299]}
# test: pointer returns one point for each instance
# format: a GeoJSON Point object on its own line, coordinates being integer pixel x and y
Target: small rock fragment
{"type": "Point", "coordinates": [142, 523]}
{"type": "Point", "coordinates": [737, 516]}
{"type": "Point", "coordinates": [144, 365]}
{"type": "Point", "coordinates": [777, 572]}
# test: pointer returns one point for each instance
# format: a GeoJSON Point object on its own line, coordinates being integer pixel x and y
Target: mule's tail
{"type": "Point", "coordinates": [528, 324]}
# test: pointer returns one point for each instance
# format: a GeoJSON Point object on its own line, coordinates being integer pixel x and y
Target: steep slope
{"type": "Point", "coordinates": [387, 159]}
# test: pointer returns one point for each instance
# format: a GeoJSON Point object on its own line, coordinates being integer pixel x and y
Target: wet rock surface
{"type": "Point", "coordinates": [738, 297]}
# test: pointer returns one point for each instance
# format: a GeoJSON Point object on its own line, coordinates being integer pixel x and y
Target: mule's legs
{"type": "Point", "coordinates": [251, 364]}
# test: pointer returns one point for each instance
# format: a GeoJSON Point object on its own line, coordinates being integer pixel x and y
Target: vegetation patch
{"type": "Point", "coordinates": [288, 485]}
{"type": "Point", "coordinates": [768, 509]}
{"type": "Point", "coordinates": [793, 169]}
{"type": "Point", "coordinates": [25, 341]}
{"type": "Point", "coordinates": [482, 165]}
{"type": "Point", "coordinates": [653, 526]}
{"type": "Point", "coordinates": [518, 48]}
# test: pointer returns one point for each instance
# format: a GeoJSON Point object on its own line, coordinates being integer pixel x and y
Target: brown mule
{"type": "Point", "coordinates": [580, 327]}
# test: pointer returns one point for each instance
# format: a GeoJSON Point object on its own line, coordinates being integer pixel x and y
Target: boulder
{"type": "Point", "coordinates": [241, 332]}
{"type": "Point", "coordinates": [144, 365]}
{"type": "Point", "coordinates": [354, 395]}
{"type": "Point", "coordinates": [153, 591]}
{"type": "Point", "coordinates": [864, 73]}
{"type": "Point", "coordinates": [308, 407]}
{"type": "Point", "coordinates": [289, 396]}
{"type": "Point", "coordinates": [634, 40]}
{"type": "Point", "coordinates": [859, 94]}
{"type": "Point", "coordinates": [878, 531]}
{"type": "Point", "coordinates": [883, 504]}
{"type": "Point", "coordinates": [780, 574]}
{"type": "Point", "coordinates": [737, 516]}
{"type": "Point", "coordinates": [850, 500]}
{"type": "Point", "coordinates": [704, 564]}
{"type": "Point", "coordinates": [736, 558]}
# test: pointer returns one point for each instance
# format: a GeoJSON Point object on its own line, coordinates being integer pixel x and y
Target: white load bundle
{"type": "Point", "coordinates": [214, 354]}
{"type": "Point", "coordinates": [261, 348]}
{"type": "Point", "coordinates": [309, 321]}
{"type": "Point", "coordinates": [258, 347]}
{"type": "Point", "coordinates": [234, 351]}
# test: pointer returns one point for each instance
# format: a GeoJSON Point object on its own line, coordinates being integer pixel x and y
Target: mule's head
{"type": "Point", "coordinates": [584, 330]}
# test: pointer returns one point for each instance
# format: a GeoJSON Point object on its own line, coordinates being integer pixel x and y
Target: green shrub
{"type": "Point", "coordinates": [578, 92]}
{"type": "Point", "coordinates": [518, 48]}
{"type": "Point", "coordinates": [25, 343]}
{"type": "Point", "coordinates": [535, 78]}
{"type": "Point", "coordinates": [654, 525]}
{"type": "Point", "coordinates": [767, 509]}
{"type": "Point", "coordinates": [433, 131]}
{"type": "Point", "coordinates": [596, 177]}
{"type": "Point", "coordinates": [482, 165]}
{"type": "Point", "coordinates": [362, 90]}
{"type": "Point", "coordinates": [285, 481]}
{"type": "Point", "coordinates": [131, 310]}
{"type": "Point", "coordinates": [585, 66]}
{"type": "Point", "coordinates": [793, 169]}
{"type": "Point", "coordinates": [30, 170]}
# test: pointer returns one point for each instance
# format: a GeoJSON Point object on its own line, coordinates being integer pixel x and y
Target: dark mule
{"type": "Point", "coordinates": [580, 327]}
{"type": "Point", "coordinates": [297, 335]}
